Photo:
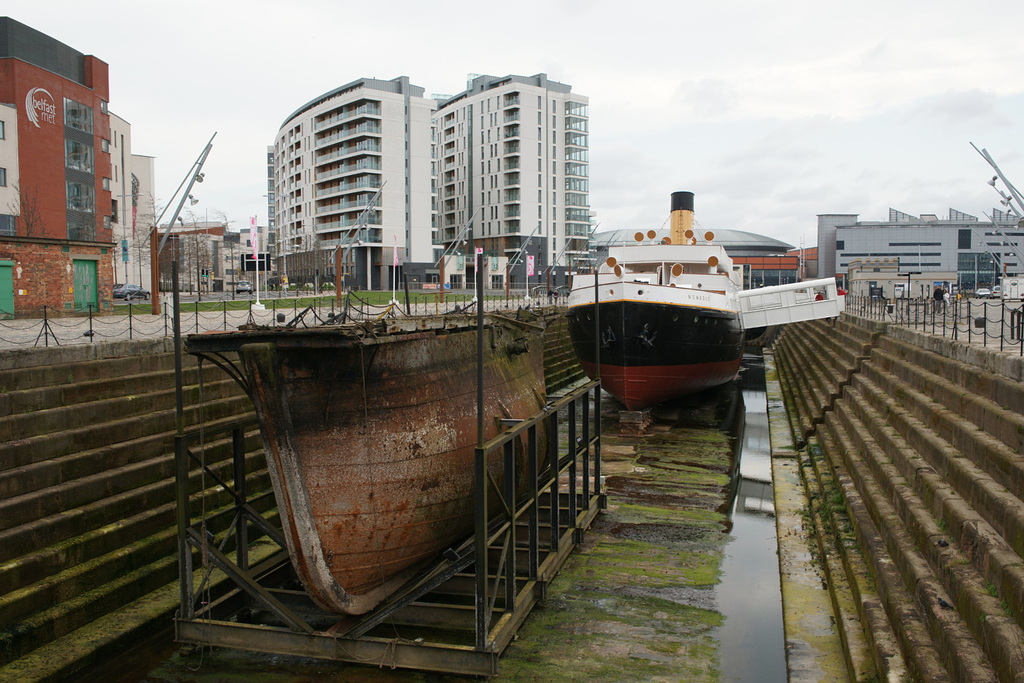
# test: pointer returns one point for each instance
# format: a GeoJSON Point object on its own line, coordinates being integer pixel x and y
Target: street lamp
{"type": "Point", "coordinates": [909, 274]}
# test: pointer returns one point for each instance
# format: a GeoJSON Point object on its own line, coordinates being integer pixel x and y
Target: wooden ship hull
{"type": "Point", "coordinates": [369, 431]}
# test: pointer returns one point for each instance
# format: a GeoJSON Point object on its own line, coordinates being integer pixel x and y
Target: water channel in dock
{"type": "Point", "coordinates": [749, 595]}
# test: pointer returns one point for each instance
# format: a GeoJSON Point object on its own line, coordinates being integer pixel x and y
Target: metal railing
{"type": "Point", "coordinates": [140, 323]}
{"type": "Point", "coordinates": [997, 324]}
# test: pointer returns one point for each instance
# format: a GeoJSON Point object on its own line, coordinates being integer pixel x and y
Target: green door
{"type": "Point", "coordinates": [6, 290]}
{"type": "Point", "coordinates": [85, 285]}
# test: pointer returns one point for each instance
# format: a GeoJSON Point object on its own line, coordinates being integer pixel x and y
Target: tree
{"type": "Point", "coordinates": [148, 210]}
{"type": "Point", "coordinates": [228, 268]}
{"type": "Point", "coordinates": [29, 221]}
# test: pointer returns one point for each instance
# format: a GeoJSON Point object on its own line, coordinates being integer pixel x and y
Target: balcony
{"type": "Point", "coordinates": [369, 109]}
{"type": "Point", "coordinates": [574, 123]}
{"type": "Point", "coordinates": [373, 217]}
{"type": "Point", "coordinates": [577, 139]}
{"type": "Point", "coordinates": [368, 237]}
{"type": "Point", "coordinates": [370, 181]}
{"type": "Point", "coordinates": [359, 203]}
{"type": "Point", "coordinates": [372, 163]}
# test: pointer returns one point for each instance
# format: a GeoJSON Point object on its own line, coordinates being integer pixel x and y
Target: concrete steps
{"type": "Point", "coordinates": [87, 491]}
{"type": "Point", "coordinates": [88, 559]}
{"type": "Point", "coordinates": [561, 367]}
{"type": "Point", "coordinates": [922, 455]}
{"type": "Point", "coordinates": [43, 410]}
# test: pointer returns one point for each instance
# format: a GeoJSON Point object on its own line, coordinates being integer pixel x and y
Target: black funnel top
{"type": "Point", "coordinates": [682, 201]}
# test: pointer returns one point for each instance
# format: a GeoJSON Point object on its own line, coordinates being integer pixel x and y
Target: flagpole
{"type": "Point", "coordinates": [255, 237]}
{"type": "Point", "coordinates": [394, 273]}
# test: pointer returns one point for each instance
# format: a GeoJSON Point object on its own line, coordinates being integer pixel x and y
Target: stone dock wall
{"type": "Point", "coordinates": [909, 450]}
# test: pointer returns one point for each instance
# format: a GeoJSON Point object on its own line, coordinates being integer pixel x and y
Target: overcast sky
{"type": "Point", "coordinates": [771, 113]}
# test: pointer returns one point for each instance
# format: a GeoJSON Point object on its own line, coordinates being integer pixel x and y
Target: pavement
{"type": "Point", "coordinates": [139, 323]}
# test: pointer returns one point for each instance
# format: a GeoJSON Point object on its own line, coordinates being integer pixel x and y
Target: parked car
{"type": "Point", "coordinates": [243, 286]}
{"type": "Point", "coordinates": [983, 293]}
{"type": "Point", "coordinates": [130, 291]}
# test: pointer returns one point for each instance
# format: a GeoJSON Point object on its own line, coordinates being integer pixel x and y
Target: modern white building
{"type": "Point", "coordinates": [351, 184]}
{"type": "Point", "coordinates": [513, 156]}
{"type": "Point", "coordinates": [980, 253]}
{"type": "Point", "coordinates": [132, 205]}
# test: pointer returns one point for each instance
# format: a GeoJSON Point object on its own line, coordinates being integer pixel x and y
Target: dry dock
{"type": "Point", "coordinates": [896, 461]}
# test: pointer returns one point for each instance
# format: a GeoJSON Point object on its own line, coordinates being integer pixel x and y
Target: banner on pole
{"type": "Point", "coordinates": [254, 237]}
{"type": "Point", "coordinates": [529, 265]}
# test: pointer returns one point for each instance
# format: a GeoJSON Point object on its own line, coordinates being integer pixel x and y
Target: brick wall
{"type": "Point", "coordinates": [44, 274]}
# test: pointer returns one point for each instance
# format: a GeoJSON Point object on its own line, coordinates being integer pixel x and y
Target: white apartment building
{"type": "Point", "coordinates": [132, 206]}
{"type": "Point", "coordinates": [351, 184]}
{"type": "Point", "coordinates": [513, 166]}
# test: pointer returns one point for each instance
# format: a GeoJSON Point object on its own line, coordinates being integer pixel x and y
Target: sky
{"type": "Point", "coordinates": [771, 113]}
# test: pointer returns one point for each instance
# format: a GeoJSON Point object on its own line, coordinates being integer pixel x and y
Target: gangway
{"type": "Point", "coordinates": [791, 303]}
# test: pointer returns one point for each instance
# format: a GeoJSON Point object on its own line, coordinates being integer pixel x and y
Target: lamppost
{"type": "Point", "coordinates": [907, 294]}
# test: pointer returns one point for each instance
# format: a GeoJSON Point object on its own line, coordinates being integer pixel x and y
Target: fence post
{"type": "Point", "coordinates": [46, 329]}
{"type": "Point", "coordinates": [1002, 323]}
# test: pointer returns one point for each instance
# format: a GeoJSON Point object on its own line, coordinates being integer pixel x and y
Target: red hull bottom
{"type": "Point", "coordinates": [641, 386]}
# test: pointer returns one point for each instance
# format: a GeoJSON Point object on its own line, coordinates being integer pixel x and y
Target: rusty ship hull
{"type": "Point", "coordinates": [369, 432]}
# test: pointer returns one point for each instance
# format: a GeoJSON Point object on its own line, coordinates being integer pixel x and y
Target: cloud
{"type": "Point", "coordinates": [971, 109]}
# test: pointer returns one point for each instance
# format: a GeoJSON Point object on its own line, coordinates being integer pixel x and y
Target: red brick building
{"type": "Point", "coordinates": [55, 169]}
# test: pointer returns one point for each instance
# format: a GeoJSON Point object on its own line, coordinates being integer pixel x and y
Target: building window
{"type": "Point", "coordinates": [78, 156]}
{"type": "Point", "coordinates": [77, 115]}
{"type": "Point", "coordinates": [3, 133]}
{"type": "Point", "coordinates": [963, 239]}
{"type": "Point", "coordinates": [81, 197]}
{"type": "Point", "coordinates": [840, 244]}
{"type": "Point", "coordinates": [6, 225]}
{"type": "Point", "coordinates": [3, 177]}
{"type": "Point", "coordinates": [105, 145]}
